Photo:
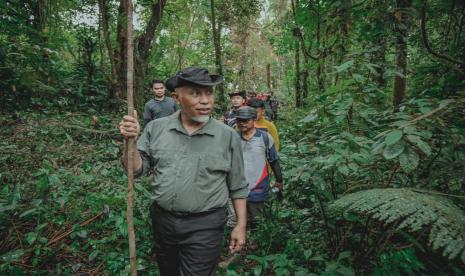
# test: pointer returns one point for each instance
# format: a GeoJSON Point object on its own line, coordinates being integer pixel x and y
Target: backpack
{"type": "Point", "coordinates": [266, 140]}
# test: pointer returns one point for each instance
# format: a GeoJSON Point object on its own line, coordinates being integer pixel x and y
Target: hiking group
{"type": "Point", "coordinates": [199, 164]}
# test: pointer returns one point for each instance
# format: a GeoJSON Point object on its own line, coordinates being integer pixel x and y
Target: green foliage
{"type": "Point", "coordinates": [59, 167]}
{"type": "Point", "coordinates": [414, 211]}
{"type": "Point", "coordinates": [58, 171]}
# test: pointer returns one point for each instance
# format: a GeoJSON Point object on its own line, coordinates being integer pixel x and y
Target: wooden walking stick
{"type": "Point", "coordinates": [130, 142]}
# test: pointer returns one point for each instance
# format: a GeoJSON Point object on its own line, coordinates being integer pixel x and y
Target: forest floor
{"type": "Point", "coordinates": [63, 199]}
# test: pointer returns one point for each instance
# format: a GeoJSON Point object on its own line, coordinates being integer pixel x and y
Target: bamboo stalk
{"type": "Point", "coordinates": [130, 142]}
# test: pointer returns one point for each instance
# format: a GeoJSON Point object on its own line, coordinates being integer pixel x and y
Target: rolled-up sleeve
{"type": "Point", "coordinates": [237, 183]}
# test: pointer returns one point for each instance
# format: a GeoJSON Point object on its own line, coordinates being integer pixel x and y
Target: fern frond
{"type": "Point", "coordinates": [412, 211]}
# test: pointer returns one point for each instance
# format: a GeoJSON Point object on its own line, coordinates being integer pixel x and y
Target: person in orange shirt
{"type": "Point", "coordinates": [262, 123]}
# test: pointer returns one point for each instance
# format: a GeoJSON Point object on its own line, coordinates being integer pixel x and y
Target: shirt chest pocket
{"type": "Point", "coordinates": [213, 164]}
{"type": "Point", "coordinates": [164, 161]}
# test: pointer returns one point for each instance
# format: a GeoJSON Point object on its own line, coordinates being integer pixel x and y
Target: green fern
{"type": "Point", "coordinates": [414, 211]}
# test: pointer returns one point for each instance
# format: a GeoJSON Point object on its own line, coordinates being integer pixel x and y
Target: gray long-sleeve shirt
{"type": "Point", "coordinates": [155, 109]}
{"type": "Point", "coordinates": [192, 173]}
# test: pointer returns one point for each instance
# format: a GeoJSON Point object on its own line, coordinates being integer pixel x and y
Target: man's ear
{"type": "Point", "coordinates": [175, 96]}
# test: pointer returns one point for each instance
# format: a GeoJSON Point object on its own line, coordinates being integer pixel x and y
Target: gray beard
{"type": "Point", "coordinates": [201, 119]}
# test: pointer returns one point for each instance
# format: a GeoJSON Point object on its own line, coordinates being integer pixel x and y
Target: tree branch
{"type": "Point", "coordinates": [428, 46]}
{"type": "Point", "coordinates": [145, 40]}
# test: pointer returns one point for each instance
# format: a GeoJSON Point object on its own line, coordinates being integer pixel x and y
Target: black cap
{"type": "Point", "coordinates": [241, 93]}
{"type": "Point", "coordinates": [193, 75]}
{"type": "Point", "coordinates": [246, 112]}
{"type": "Point", "coordinates": [254, 102]}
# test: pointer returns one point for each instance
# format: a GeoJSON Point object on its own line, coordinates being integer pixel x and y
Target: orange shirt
{"type": "Point", "coordinates": [268, 126]}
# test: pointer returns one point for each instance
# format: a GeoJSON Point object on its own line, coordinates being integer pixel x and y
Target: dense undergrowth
{"type": "Point", "coordinates": [63, 207]}
{"type": "Point", "coordinates": [62, 201]}
{"type": "Point", "coordinates": [409, 217]}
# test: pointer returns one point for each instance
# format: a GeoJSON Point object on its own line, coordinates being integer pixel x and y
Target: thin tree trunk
{"type": "Point", "coordinates": [321, 57]}
{"type": "Point", "coordinates": [268, 76]}
{"type": "Point", "coordinates": [401, 27]}
{"type": "Point", "coordinates": [381, 60]}
{"type": "Point", "coordinates": [298, 100]}
{"type": "Point", "coordinates": [100, 46]}
{"type": "Point", "coordinates": [115, 90]}
{"type": "Point", "coordinates": [243, 34]}
{"type": "Point", "coordinates": [216, 33]}
{"type": "Point", "coordinates": [297, 35]}
{"type": "Point", "coordinates": [305, 75]}
{"type": "Point", "coordinates": [122, 41]}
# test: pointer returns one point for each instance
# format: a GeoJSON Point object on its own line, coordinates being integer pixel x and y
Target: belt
{"type": "Point", "coordinates": [182, 214]}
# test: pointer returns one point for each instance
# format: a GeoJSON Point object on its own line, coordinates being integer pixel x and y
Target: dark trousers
{"type": "Point", "coordinates": [254, 211]}
{"type": "Point", "coordinates": [187, 244]}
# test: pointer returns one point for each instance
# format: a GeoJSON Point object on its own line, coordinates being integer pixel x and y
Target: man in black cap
{"type": "Point", "coordinates": [237, 100]}
{"type": "Point", "coordinates": [197, 164]}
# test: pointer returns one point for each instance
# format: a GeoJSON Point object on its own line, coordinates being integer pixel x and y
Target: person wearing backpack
{"type": "Point", "coordinates": [263, 124]}
{"type": "Point", "coordinates": [258, 149]}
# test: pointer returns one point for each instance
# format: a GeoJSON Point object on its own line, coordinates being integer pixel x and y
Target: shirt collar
{"type": "Point", "coordinates": [164, 99]}
{"type": "Point", "coordinates": [175, 123]}
{"type": "Point", "coordinates": [257, 134]}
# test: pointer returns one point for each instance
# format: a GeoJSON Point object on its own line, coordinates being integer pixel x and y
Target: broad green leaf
{"type": "Point", "coordinates": [393, 137]}
{"type": "Point", "coordinates": [422, 145]}
{"type": "Point", "coordinates": [380, 134]}
{"type": "Point", "coordinates": [358, 77]}
{"type": "Point", "coordinates": [378, 147]}
{"type": "Point", "coordinates": [344, 66]}
{"type": "Point", "coordinates": [344, 255]}
{"type": "Point", "coordinates": [408, 160]}
{"type": "Point", "coordinates": [372, 69]}
{"type": "Point", "coordinates": [310, 118]}
{"type": "Point", "coordinates": [392, 151]}
{"type": "Point", "coordinates": [27, 212]}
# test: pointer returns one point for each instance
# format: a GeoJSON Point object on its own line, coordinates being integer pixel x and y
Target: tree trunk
{"type": "Point", "coordinates": [143, 50]}
{"type": "Point", "coordinates": [268, 76]}
{"type": "Point", "coordinates": [216, 33]}
{"type": "Point", "coordinates": [121, 38]}
{"type": "Point", "coordinates": [243, 36]}
{"type": "Point", "coordinates": [401, 29]}
{"type": "Point", "coordinates": [115, 90]}
{"type": "Point", "coordinates": [305, 75]}
{"type": "Point", "coordinates": [298, 100]}
{"type": "Point", "coordinates": [378, 57]}
{"type": "Point", "coordinates": [321, 57]}
{"type": "Point", "coordinates": [345, 15]}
